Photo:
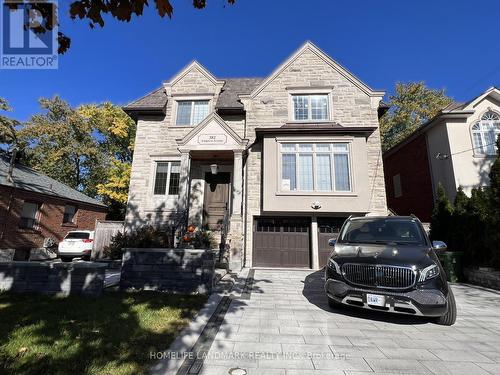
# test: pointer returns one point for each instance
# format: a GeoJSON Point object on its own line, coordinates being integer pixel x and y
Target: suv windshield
{"type": "Point", "coordinates": [382, 230]}
{"type": "Point", "coordinates": [77, 236]}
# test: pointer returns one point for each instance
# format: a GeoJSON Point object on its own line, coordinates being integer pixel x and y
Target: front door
{"type": "Point", "coordinates": [216, 199]}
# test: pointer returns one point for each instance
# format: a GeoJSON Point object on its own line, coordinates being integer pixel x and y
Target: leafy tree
{"type": "Point", "coordinates": [495, 184]}
{"type": "Point", "coordinates": [412, 104]}
{"type": "Point", "coordinates": [8, 133]}
{"type": "Point", "coordinates": [93, 11]}
{"type": "Point", "coordinates": [441, 216]}
{"type": "Point", "coordinates": [61, 145]}
{"type": "Point", "coordinates": [115, 132]}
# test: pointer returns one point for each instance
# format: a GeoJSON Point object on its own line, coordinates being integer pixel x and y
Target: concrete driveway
{"type": "Point", "coordinates": [286, 327]}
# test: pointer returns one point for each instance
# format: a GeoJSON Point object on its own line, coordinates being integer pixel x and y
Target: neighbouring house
{"type": "Point", "coordinates": [455, 148]}
{"type": "Point", "coordinates": [34, 207]}
{"type": "Point", "coordinates": [273, 165]}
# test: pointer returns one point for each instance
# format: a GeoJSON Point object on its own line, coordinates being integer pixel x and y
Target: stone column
{"type": "Point", "coordinates": [314, 243]}
{"type": "Point", "coordinates": [237, 182]}
{"type": "Point", "coordinates": [236, 222]}
{"type": "Point", "coordinates": [184, 181]}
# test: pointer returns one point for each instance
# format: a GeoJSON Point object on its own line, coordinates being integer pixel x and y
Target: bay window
{"type": "Point", "coordinates": [191, 112]}
{"type": "Point", "coordinates": [310, 107]}
{"type": "Point", "coordinates": [167, 177]}
{"type": "Point", "coordinates": [315, 167]}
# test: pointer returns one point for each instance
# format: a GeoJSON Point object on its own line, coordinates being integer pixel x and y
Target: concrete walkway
{"type": "Point", "coordinates": [286, 327]}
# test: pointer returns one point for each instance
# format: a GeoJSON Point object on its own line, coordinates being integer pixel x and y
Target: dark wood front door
{"type": "Point", "coordinates": [216, 199]}
{"type": "Point", "coordinates": [281, 242]}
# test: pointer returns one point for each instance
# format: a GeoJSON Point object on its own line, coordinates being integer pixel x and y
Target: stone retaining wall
{"type": "Point", "coordinates": [485, 277]}
{"type": "Point", "coordinates": [170, 270]}
{"type": "Point", "coordinates": [52, 277]}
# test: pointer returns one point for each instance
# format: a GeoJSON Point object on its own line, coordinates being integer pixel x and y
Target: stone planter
{"type": "Point", "coordinates": [187, 271]}
{"type": "Point", "coordinates": [52, 277]}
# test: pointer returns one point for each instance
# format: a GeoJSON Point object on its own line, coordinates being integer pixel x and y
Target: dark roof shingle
{"type": "Point", "coordinates": [25, 178]}
{"type": "Point", "coordinates": [228, 97]}
{"type": "Point", "coordinates": [156, 100]}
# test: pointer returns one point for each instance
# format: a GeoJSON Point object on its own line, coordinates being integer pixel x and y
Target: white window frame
{"type": "Point", "coordinates": [484, 145]}
{"type": "Point", "coordinates": [167, 186]}
{"type": "Point", "coordinates": [308, 92]}
{"type": "Point", "coordinates": [190, 98]}
{"type": "Point", "coordinates": [315, 191]}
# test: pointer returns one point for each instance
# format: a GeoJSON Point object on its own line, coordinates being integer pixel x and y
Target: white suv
{"type": "Point", "coordinates": [77, 243]}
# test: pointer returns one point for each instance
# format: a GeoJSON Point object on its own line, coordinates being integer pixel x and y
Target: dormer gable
{"type": "Point", "coordinates": [193, 79]}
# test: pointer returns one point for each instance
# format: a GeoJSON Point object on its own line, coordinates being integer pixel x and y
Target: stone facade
{"type": "Point", "coordinates": [266, 105]}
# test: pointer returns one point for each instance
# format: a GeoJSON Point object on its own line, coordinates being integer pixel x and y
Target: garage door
{"type": "Point", "coordinates": [327, 228]}
{"type": "Point", "coordinates": [281, 242]}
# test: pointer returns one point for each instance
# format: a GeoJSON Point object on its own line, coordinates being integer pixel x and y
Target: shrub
{"type": "Point", "coordinates": [146, 237]}
{"type": "Point", "coordinates": [441, 217]}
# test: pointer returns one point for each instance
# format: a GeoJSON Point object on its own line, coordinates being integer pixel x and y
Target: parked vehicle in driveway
{"type": "Point", "coordinates": [77, 243]}
{"type": "Point", "coordinates": [389, 264]}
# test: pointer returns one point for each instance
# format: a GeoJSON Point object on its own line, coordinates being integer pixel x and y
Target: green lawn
{"type": "Point", "coordinates": [112, 334]}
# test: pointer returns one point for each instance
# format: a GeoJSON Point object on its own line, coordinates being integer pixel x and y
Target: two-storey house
{"type": "Point", "coordinates": [282, 159]}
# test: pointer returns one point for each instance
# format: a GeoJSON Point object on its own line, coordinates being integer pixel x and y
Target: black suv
{"type": "Point", "coordinates": [389, 264]}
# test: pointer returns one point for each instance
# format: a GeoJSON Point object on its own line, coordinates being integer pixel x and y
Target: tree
{"type": "Point", "coordinates": [61, 145]}
{"type": "Point", "coordinates": [412, 104]}
{"type": "Point", "coordinates": [116, 135]}
{"type": "Point", "coordinates": [441, 216]}
{"type": "Point", "coordinates": [8, 133]}
{"type": "Point", "coordinates": [94, 10]}
{"type": "Point", "coordinates": [495, 184]}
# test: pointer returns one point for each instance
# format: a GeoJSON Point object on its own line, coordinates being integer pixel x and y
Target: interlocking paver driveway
{"type": "Point", "coordinates": [286, 327]}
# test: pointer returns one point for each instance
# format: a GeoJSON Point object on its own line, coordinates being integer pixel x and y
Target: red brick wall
{"type": "Point", "coordinates": [412, 164]}
{"type": "Point", "coordinates": [50, 218]}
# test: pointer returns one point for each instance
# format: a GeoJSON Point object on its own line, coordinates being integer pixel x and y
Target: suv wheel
{"type": "Point", "coordinates": [450, 317]}
{"type": "Point", "coordinates": [333, 304]}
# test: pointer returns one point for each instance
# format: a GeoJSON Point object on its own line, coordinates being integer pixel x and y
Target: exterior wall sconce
{"type": "Point", "coordinates": [214, 168]}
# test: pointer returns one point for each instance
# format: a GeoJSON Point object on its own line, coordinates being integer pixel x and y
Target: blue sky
{"type": "Point", "coordinates": [448, 44]}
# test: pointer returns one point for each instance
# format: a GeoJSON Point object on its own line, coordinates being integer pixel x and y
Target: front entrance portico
{"type": "Point", "coordinates": [210, 147]}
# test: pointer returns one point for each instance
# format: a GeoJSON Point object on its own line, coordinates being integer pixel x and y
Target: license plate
{"type": "Point", "coordinates": [375, 299]}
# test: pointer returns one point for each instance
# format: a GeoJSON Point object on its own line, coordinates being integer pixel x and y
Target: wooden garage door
{"type": "Point", "coordinates": [281, 242]}
{"type": "Point", "coordinates": [328, 227]}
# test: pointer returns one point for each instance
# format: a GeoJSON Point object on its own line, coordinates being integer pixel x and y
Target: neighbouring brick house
{"type": "Point", "coordinates": [455, 148]}
{"type": "Point", "coordinates": [34, 207]}
{"type": "Point", "coordinates": [283, 159]}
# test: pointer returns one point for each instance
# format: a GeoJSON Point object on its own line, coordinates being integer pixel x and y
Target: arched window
{"type": "Point", "coordinates": [485, 133]}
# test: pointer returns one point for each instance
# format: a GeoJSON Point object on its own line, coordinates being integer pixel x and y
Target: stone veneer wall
{"type": "Point", "coordinates": [171, 270]}
{"type": "Point", "coordinates": [52, 278]}
{"type": "Point", "coordinates": [487, 278]}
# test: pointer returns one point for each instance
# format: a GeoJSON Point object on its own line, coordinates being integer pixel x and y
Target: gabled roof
{"type": "Point", "coordinates": [196, 66]}
{"type": "Point", "coordinates": [198, 128]}
{"type": "Point", "coordinates": [27, 179]}
{"type": "Point", "coordinates": [309, 46]}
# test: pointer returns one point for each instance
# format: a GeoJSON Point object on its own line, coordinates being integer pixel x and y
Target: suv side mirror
{"type": "Point", "coordinates": [332, 241]}
{"type": "Point", "coordinates": [439, 246]}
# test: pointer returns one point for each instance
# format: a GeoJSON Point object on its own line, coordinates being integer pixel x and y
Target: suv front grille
{"type": "Point", "coordinates": [374, 275]}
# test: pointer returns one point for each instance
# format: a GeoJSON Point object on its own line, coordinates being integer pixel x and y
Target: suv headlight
{"type": "Point", "coordinates": [429, 273]}
{"type": "Point", "coordinates": [334, 265]}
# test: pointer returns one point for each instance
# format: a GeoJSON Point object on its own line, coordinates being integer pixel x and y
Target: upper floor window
{"type": "Point", "coordinates": [167, 177]}
{"type": "Point", "coordinates": [322, 167]}
{"type": "Point", "coordinates": [69, 214]}
{"type": "Point", "coordinates": [29, 215]}
{"type": "Point", "coordinates": [485, 133]}
{"type": "Point", "coordinates": [191, 112]}
{"type": "Point", "coordinates": [310, 107]}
